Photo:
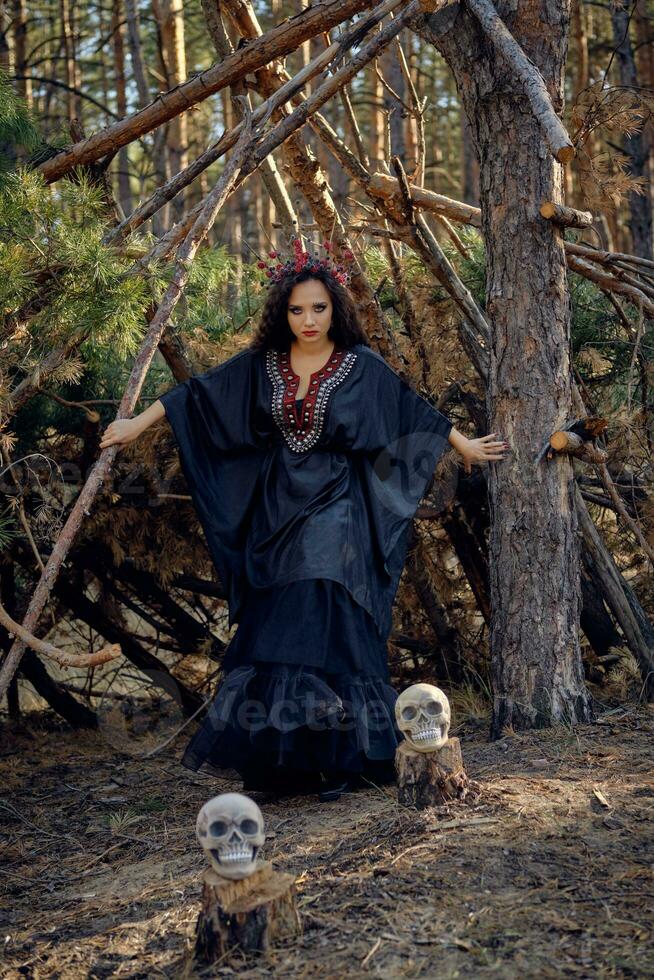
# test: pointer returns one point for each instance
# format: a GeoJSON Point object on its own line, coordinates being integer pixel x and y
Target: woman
{"type": "Point", "coordinates": [306, 456]}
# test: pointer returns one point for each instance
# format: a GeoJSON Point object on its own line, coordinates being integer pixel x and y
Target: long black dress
{"type": "Point", "coordinates": [306, 507]}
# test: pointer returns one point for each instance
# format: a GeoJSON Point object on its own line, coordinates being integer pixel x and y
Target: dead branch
{"type": "Point", "coordinates": [609, 282]}
{"type": "Point", "coordinates": [633, 263]}
{"type": "Point", "coordinates": [353, 125]}
{"type": "Point", "coordinates": [574, 445]}
{"type": "Point", "coordinates": [305, 171]}
{"type": "Point", "coordinates": [576, 439]}
{"type": "Point", "coordinates": [46, 649]}
{"type": "Point", "coordinates": [609, 258]}
{"type": "Point", "coordinates": [172, 187]}
{"type": "Point", "coordinates": [527, 73]}
{"type": "Point", "coordinates": [286, 127]}
{"type": "Point", "coordinates": [567, 217]}
{"type": "Point", "coordinates": [412, 228]}
{"type": "Point", "coordinates": [417, 110]}
{"type": "Point", "coordinates": [270, 174]}
{"type": "Point", "coordinates": [617, 596]}
{"type": "Point", "coordinates": [451, 233]}
{"type": "Point", "coordinates": [632, 524]}
{"type": "Point", "coordinates": [277, 43]}
{"type": "Point", "coordinates": [384, 186]}
{"type": "Point", "coordinates": [55, 693]}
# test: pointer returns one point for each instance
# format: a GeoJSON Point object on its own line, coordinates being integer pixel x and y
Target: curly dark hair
{"type": "Point", "coordinates": [273, 330]}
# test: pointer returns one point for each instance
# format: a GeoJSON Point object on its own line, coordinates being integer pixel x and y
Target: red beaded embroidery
{"type": "Point", "coordinates": [303, 432]}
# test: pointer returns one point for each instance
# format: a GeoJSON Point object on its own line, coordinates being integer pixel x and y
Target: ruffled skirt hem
{"type": "Point", "coordinates": [269, 718]}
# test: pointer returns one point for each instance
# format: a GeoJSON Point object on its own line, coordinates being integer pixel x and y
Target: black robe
{"type": "Point", "coordinates": [329, 496]}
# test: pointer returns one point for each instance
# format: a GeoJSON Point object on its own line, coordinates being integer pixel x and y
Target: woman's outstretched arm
{"type": "Point", "coordinates": [123, 431]}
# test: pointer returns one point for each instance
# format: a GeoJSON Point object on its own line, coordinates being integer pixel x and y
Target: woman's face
{"type": "Point", "coordinates": [310, 312]}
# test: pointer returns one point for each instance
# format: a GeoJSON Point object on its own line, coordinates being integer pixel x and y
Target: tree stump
{"type": "Point", "coordinates": [251, 913]}
{"type": "Point", "coordinates": [430, 778]}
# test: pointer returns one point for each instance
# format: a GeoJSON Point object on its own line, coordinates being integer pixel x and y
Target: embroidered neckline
{"type": "Point", "coordinates": [296, 377]}
{"type": "Point", "coordinates": [301, 432]}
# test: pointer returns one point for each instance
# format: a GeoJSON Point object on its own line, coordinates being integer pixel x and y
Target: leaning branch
{"type": "Point", "coordinates": [101, 469]}
{"type": "Point", "coordinates": [527, 73]}
{"type": "Point", "coordinates": [386, 187]}
{"type": "Point", "coordinates": [179, 181]}
{"type": "Point", "coordinates": [620, 508]}
{"type": "Point", "coordinates": [277, 43]}
{"type": "Point", "coordinates": [611, 283]}
{"type": "Point", "coordinates": [582, 259]}
{"type": "Point", "coordinates": [617, 595]}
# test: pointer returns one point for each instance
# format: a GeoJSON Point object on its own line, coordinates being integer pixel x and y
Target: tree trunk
{"type": "Point", "coordinates": [635, 146]}
{"type": "Point", "coordinates": [136, 56]}
{"type": "Point", "coordinates": [170, 15]}
{"type": "Point", "coordinates": [392, 72]}
{"type": "Point", "coordinates": [20, 48]}
{"type": "Point", "coordinates": [117, 32]}
{"type": "Point", "coordinates": [73, 81]}
{"type": "Point", "coordinates": [469, 164]}
{"type": "Point", "coordinates": [537, 672]}
{"type": "Point", "coordinates": [376, 126]}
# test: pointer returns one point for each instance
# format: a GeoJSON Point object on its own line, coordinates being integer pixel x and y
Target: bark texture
{"type": "Point", "coordinates": [537, 671]}
{"type": "Point", "coordinates": [427, 779]}
{"type": "Point", "coordinates": [251, 914]}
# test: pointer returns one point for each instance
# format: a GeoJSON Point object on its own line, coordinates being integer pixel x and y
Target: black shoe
{"type": "Point", "coordinates": [280, 782]}
{"type": "Point", "coordinates": [335, 784]}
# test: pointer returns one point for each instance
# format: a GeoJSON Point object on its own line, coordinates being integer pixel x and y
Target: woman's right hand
{"type": "Point", "coordinates": [120, 433]}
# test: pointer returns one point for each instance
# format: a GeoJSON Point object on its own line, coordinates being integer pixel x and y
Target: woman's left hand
{"type": "Point", "coordinates": [482, 450]}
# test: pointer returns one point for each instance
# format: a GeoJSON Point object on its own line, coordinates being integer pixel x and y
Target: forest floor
{"type": "Point", "coordinates": [548, 874]}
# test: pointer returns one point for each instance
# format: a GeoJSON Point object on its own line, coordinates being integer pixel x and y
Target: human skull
{"type": "Point", "coordinates": [230, 830]}
{"type": "Point", "coordinates": [423, 715]}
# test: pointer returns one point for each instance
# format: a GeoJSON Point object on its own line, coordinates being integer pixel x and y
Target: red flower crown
{"type": "Point", "coordinates": [302, 261]}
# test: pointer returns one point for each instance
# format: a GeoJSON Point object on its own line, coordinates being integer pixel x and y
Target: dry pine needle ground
{"type": "Point", "coordinates": [547, 874]}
